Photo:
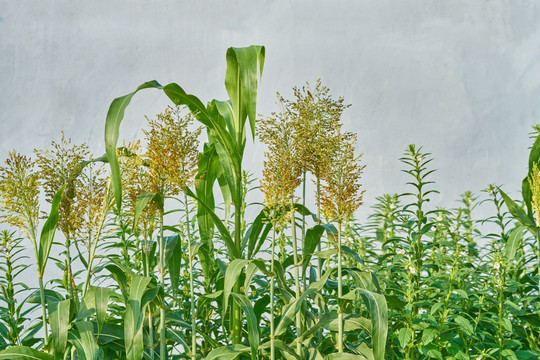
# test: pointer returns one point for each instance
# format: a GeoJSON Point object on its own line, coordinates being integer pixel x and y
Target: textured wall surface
{"type": "Point", "coordinates": [460, 78]}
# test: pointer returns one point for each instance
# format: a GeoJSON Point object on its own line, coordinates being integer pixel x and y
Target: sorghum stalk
{"type": "Point", "coordinates": [150, 321]}
{"type": "Point", "coordinates": [191, 293]}
{"type": "Point", "coordinates": [236, 312]}
{"type": "Point", "coordinates": [340, 291]}
{"type": "Point", "coordinates": [296, 277]}
{"type": "Point", "coordinates": [303, 223]}
{"type": "Point", "coordinates": [162, 339]}
{"type": "Point", "coordinates": [93, 254]}
{"type": "Point", "coordinates": [272, 334]}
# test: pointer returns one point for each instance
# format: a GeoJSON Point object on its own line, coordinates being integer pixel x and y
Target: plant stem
{"type": "Point", "coordinates": [191, 293]}
{"type": "Point", "coordinates": [163, 345]}
{"type": "Point", "coordinates": [296, 277]}
{"type": "Point", "coordinates": [92, 257]}
{"type": "Point", "coordinates": [41, 287]}
{"type": "Point", "coordinates": [43, 310]}
{"type": "Point", "coordinates": [303, 224]}
{"type": "Point", "coordinates": [319, 260]}
{"type": "Point", "coordinates": [150, 322]}
{"type": "Point", "coordinates": [272, 335]}
{"type": "Point", "coordinates": [236, 312]}
{"type": "Point", "coordinates": [340, 291]}
{"type": "Point", "coordinates": [69, 289]}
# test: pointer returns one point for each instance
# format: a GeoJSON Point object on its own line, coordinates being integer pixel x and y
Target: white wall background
{"type": "Point", "coordinates": [461, 78]}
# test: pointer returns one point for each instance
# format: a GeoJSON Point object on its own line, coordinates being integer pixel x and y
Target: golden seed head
{"type": "Point", "coordinates": [317, 124]}
{"type": "Point", "coordinates": [340, 191]}
{"type": "Point", "coordinates": [62, 165]}
{"type": "Point", "coordinates": [172, 150]}
{"type": "Point", "coordinates": [19, 192]}
{"type": "Point", "coordinates": [95, 198]}
{"type": "Point", "coordinates": [282, 170]}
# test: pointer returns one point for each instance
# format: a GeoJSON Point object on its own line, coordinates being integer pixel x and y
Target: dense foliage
{"type": "Point", "coordinates": [168, 257]}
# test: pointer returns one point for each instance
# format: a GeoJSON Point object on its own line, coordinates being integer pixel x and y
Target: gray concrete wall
{"type": "Point", "coordinates": [460, 78]}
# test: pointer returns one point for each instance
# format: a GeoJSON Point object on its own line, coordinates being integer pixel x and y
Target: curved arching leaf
{"type": "Point", "coordinates": [24, 353]}
{"type": "Point", "coordinates": [253, 326]}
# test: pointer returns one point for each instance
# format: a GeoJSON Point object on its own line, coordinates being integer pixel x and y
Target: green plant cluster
{"type": "Point", "coordinates": [166, 256]}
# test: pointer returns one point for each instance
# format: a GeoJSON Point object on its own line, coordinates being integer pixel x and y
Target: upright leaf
{"type": "Point", "coordinates": [59, 321]}
{"type": "Point", "coordinates": [48, 231]}
{"type": "Point", "coordinates": [134, 317]}
{"type": "Point", "coordinates": [244, 66]}
{"type": "Point", "coordinates": [85, 342]}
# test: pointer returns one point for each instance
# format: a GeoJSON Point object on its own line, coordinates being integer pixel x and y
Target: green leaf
{"type": "Point", "coordinates": [428, 335]}
{"type": "Point", "coordinates": [325, 320]}
{"type": "Point", "coordinates": [141, 203]}
{"type": "Point", "coordinates": [513, 243]}
{"type": "Point", "coordinates": [174, 262]}
{"type": "Point", "coordinates": [229, 243]}
{"type": "Point", "coordinates": [344, 356]}
{"type": "Point", "coordinates": [112, 132]}
{"type": "Point", "coordinates": [101, 296]}
{"type": "Point", "coordinates": [227, 352]}
{"type": "Point", "coordinates": [241, 84]}
{"type": "Point", "coordinates": [47, 233]}
{"type": "Point", "coordinates": [134, 317]}
{"type": "Point", "coordinates": [84, 341]}
{"type": "Point", "coordinates": [378, 311]}
{"type": "Point", "coordinates": [59, 321]}
{"type": "Point", "coordinates": [257, 233]}
{"type": "Point", "coordinates": [231, 276]}
{"type": "Point", "coordinates": [294, 307]}
{"type": "Point", "coordinates": [404, 336]}
{"type": "Point", "coordinates": [253, 326]}
{"type": "Point", "coordinates": [312, 239]}
{"type": "Point", "coordinates": [250, 273]}
{"type": "Point", "coordinates": [208, 171]}
{"type": "Point", "coordinates": [352, 322]}
{"type": "Point", "coordinates": [464, 324]}
{"type": "Point", "coordinates": [24, 353]}
{"type": "Point", "coordinates": [518, 213]}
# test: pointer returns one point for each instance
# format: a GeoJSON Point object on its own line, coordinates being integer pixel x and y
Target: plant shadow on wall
{"type": "Point", "coordinates": [158, 266]}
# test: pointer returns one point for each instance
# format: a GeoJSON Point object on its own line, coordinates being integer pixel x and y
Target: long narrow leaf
{"type": "Point", "coordinates": [48, 231]}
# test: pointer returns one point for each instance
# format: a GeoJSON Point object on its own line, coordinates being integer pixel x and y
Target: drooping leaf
{"type": "Point", "coordinates": [227, 352]}
{"type": "Point", "coordinates": [24, 353]}
{"type": "Point", "coordinates": [257, 233]}
{"type": "Point", "coordinates": [290, 310]}
{"type": "Point", "coordinates": [253, 326]}
{"type": "Point", "coordinates": [312, 239]}
{"type": "Point", "coordinates": [231, 247]}
{"type": "Point", "coordinates": [142, 201]}
{"type": "Point", "coordinates": [234, 269]}
{"type": "Point", "coordinates": [115, 116]}
{"type": "Point", "coordinates": [378, 310]}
